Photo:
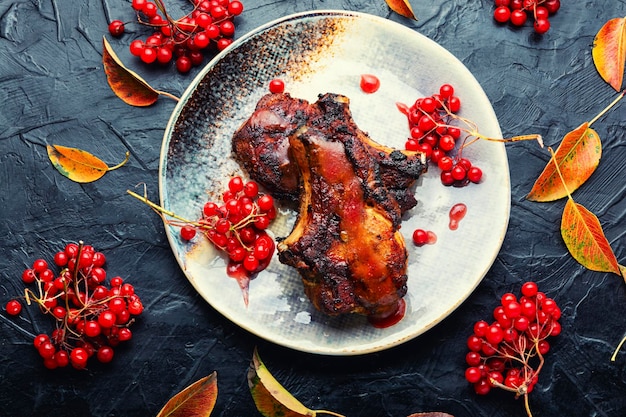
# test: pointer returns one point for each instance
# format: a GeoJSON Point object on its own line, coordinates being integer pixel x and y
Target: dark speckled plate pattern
{"type": "Point", "coordinates": [315, 53]}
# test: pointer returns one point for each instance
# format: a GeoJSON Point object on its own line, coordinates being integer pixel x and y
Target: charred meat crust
{"type": "Point", "coordinates": [261, 145]}
{"type": "Point", "coordinates": [345, 244]}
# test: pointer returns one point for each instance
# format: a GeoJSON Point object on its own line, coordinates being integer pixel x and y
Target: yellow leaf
{"type": "Point", "coordinates": [197, 400]}
{"type": "Point", "coordinates": [577, 157]}
{"type": "Point", "coordinates": [79, 165]}
{"type": "Point", "coordinates": [271, 398]}
{"type": "Point", "coordinates": [127, 84]}
{"type": "Point", "coordinates": [402, 7]}
{"type": "Point", "coordinates": [609, 52]}
{"type": "Point", "coordinates": [583, 235]}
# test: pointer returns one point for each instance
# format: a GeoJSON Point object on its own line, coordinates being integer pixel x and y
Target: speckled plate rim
{"type": "Point", "coordinates": [384, 342]}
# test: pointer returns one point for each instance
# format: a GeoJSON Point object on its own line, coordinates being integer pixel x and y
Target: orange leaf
{"type": "Point", "coordinates": [578, 157]}
{"type": "Point", "coordinates": [585, 240]}
{"type": "Point", "coordinates": [609, 51]}
{"type": "Point", "coordinates": [126, 84]}
{"type": "Point", "coordinates": [78, 165]}
{"type": "Point", "coordinates": [197, 400]}
{"type": "Point", "coordinates": [402, 7]}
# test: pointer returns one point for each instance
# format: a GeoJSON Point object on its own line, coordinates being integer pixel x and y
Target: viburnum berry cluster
{"type": "Point", "coordinates": [431, 133]}
{"type": "Point", "coordinates": [237, 225]}
{"type": "Point", "coordinates": [90, 318]}
{"type": "Point", "coordinates": [518, 12]}
{"type": "Point", "coordinates": [508, 353]}
{"type": "Point", "coordinates": [209, 27]}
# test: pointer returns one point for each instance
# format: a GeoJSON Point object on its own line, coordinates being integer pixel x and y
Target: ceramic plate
{"type": "Point", "coordinates": [314, 53]}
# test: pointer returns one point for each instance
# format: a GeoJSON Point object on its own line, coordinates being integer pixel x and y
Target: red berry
{"type": "Point", "coordinates": [529, 289]}
{"type": "Point", "coordinates": [541, 26]}
{"type": "Point", "coordinates": [28, 276]}
{"type": "Point", "coordinates": [454, 104]}
{"type": "Point", "coordinates": [265, 202]}
{"type": "Point", "coordinates": [187, 232]}
{"type": "Point", "coordinates": [235, 8]}
{"type": "Point", "coordinates": [502, 14]}
{"type": "Point", "coordinates": [13, 307]}
{"type": "Point", "coordinates": [446, 91]}
{"type": "Point", "coordinates": [227, 28]}
{"type": "Point", "coordinates": [420, 237]}
{"type": "Point", "coordinates": [446, 143]}
{"type": "Point", "coordinates": [474, 174]}
{"type": "Point", "coordinates": [183, 64]}
{"type": "Point", "coordinates": [518, 17]}
{"type": "Point", "coordinates": [116, 28]}
{"type": "Point", "coordinates": [458, 173]}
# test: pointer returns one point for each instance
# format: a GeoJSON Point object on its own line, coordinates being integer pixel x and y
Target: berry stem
{"type": "Point", "coordinates": [158, 208]}
{"type": "Point", "coordinates": [619, 347]}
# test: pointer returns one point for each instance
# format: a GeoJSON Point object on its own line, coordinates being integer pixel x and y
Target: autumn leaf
{"type": "Point", "coordinates": [127, 84]}
{"type": "Point", "coordinates": [585, 239]}
{"type": "Point", "coordinates": [402, 7]}
{"type": "Point", "coordinates": [271, 398]}
{"type": "Point", "coordinates": [609, 52]}
{"type": "Point", "coordinates": [79, 165]}
{"type": "Point", "coordinates": [431, 414]}
{"type": "Point", "coordinates": [197, 400]}
{"type": "Point", "coordinates": [578, 156]}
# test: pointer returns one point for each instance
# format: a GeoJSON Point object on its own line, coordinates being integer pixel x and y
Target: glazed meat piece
{"type": "Point", "coordinates": [345, 244]}
{"type": "Point", "coordinates": [261, 145]}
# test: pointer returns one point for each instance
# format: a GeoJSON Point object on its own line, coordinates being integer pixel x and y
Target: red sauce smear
{"type": "Point", "coordinates": [432, 237]}
{"type": "Point", "coordinates": [457, 212]}
{"type": "Point", "coordinates": [391, 319]}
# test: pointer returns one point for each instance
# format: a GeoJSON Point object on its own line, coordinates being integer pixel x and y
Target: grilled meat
{"type": "Point", "coordinates": [345, 242]}
{"type": "Point", "coordinates": [261, 145]}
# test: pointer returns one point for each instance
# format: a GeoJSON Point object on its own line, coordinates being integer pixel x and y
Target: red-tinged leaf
{"type": "Point", "coordinates": [127, 84]}
{"type": "Point", "coordinates": [578, 157]}
{"type": "Point", "coordinates": [585, 240]}
{"type": "Point", "coordinates": [197, 400]}
{"type": "Point", "coordinates": [79, 165]}
{"type": "Point", "coordinates": [609, 52]}
{"type": "Point", "coordinates": [271, 398]}
{"type": "Point", "coordinates": [402, 7]}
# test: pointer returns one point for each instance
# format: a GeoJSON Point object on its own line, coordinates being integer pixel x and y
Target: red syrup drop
{"type": "Point", "coordinates": [369, 83]}
{"type": "Point", "coordinates": [432, 237]}
{"type": "Point", "coordinates": [391, 319]}
{"type": "Point", "coordinates": [457, 212]}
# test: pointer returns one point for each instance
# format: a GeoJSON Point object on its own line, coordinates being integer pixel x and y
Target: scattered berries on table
{"type": "Point", "coordinates": [208, 27]}
{"type": "Point", "coordinates": [508, 351]}
{"type": "Point", "coordinates": [517, 12]}
{"type": "Point", "coordinates": [90, 317]}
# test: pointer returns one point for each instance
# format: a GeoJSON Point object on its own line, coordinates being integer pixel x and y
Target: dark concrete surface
{"type": "Point", "coordinates": [53, 90]}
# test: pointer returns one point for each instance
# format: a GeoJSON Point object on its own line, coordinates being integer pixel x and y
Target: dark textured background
{"type": "Point", "coordinates": [53, 90]}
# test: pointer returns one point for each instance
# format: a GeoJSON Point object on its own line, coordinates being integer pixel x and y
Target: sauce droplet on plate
{"type": "Point", "coordinates": [369, 83]}
{"type": "Point", "coordinates": [457, 212]}
{"type": "Point", "coordinates": [391, 319]}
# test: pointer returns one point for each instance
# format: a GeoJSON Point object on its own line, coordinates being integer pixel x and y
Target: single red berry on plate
{"type": "Point", "coordinates": [420, 237]}
{"type": "Point", "coordinates": [187, 232]}
{"type": "Point", "coordinates": [277, 86]}
{"type": "Point", "coordinates": [474, 174]}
